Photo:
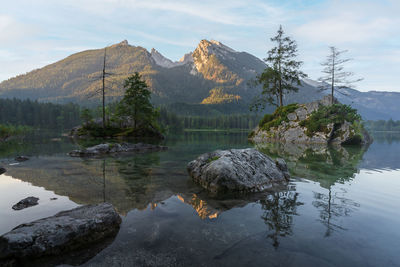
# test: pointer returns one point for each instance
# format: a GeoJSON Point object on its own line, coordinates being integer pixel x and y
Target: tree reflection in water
{"type": "Point", "coordinates": [330, 166]}
{"type": "Point", "coordinates": [331, 207]}
{"type": "Point", "coordinates": [279, 209]}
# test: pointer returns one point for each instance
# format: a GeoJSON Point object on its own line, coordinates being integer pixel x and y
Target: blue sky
{"type": "Point", "coordinates": [39, 32]}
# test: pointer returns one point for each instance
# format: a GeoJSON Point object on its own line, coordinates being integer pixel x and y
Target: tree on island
{"type": "Point", "coordinates": [282, 74]}
{"type": "Point", "coordinates": [335, 77]}
{"type": "Point", "coordinates": [136, 104]}
{"type": "Point", "coordinates": [86, 116]}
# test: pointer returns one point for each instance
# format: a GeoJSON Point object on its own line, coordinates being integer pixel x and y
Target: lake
{"type": "Point", "coordinates": [341, 207]}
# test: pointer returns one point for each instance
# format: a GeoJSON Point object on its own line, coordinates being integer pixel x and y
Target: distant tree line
{"type": "Point", "coordinates": [172, 121]}
{"type": "Point", "coordinates": [7, 131]}
{"type": "Point", "coordinates": [382, 125]}
{"type": "Point", "coordinates": [39, 115]}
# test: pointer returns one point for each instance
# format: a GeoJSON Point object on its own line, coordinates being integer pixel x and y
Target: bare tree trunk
{"type": "Point", "coordinates": [134, 118]}
{"type": "Point", "coordinates": [280, 86]}
{"type": "Point", "coordinates": [103, 91]}
{"type": "Point", "coordinates": [333, 78]}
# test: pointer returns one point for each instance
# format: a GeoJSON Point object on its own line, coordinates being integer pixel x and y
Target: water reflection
{"type": "Point", "coordinates": [203, 209]}
{"type": "Point", "coordinates": [125, 182]}
{"type": "Point", "coordinates": [324, 164]}
{"type": "Point", "coordinates": [332, 207]}
{"type": "Point", "coordinates": [279, 209]}
{"type": "Point", "coordinates": [327, 165]}
{"type": "Point", "coordinates": [170, 220]}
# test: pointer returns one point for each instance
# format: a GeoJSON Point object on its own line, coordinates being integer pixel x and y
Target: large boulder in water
{"type": "Point", "coordinates": [63, 232]}
{"type": "Point", "coordinates": [237, 170]}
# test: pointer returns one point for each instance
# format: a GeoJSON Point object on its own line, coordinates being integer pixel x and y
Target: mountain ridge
{"type": "Point", "coordinates": [212, 73]}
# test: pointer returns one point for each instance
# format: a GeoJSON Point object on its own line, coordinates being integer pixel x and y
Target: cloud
{"type": "Point", "coordinates": [342, 22]}
{"type": "Point", "coordinates": [344, 29]}
{"type": "Point", "coordinates": [12, 31]}
{"type": "Point", "coordinates": [47, 30]}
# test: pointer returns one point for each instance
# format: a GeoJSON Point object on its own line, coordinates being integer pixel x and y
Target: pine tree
{"type": "Point", "coordinates": [282, 74]}
{"type": "Point", "coordinates": [335, 77]}
{"type": "Point", "coordinates": [136, 102]}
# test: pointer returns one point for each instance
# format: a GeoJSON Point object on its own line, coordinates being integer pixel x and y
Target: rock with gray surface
{"type": "Point", "coordinates": [66, 231]}
{"type": "Point", "coordinates": [26, 203]}
{"type": "Point", "coordinates": [290, 130]}
{"type": "Point", "coordinates": [113, 148]}
{"type": "Point", "coordinates": [2, 170]}
{"type": "Point", "coordinates": [21, 158]}
{"type": "Point", "coordinates": [238, 170]}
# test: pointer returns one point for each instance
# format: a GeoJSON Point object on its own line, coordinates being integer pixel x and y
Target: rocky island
{"type": "Point", "coordinates": [318, 122]}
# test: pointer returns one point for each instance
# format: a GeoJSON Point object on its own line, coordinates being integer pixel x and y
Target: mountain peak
{"type": "Point", "coordinates": [213, 46]}
{"type": "Point", "coordinates": [160, 60]}
{"type": "Point", "coordinates": [123, 43]}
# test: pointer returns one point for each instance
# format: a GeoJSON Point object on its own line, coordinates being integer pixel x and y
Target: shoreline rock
{"type": "Point", "coordinates": [26, 203]}
{"type": "Point", "coordinates": [237, 170]}
{"type": "Point", "coordinates": [21, 158]}
{"type": "Point", "coordinates": [53, 236]}
{"type": "Point", "coordinates": [109, 148]}
{"type": "Point", "coordinates": [2, 170]}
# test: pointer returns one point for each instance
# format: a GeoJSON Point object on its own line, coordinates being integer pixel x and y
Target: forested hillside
{"type": "Point", "coordinates": [39, 115]}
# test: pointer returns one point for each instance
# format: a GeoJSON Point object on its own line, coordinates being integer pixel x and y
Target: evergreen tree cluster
{"type": "Point", "coordinates": [39, 115]}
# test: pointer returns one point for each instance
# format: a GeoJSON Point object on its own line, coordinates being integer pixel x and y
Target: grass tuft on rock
{"type": "Point", "coordinates": [212, 159]}
{"type": "Point", "coordinates": [275, 119]}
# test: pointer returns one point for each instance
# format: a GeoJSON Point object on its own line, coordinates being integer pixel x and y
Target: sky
{"type": "Point", "coordinates": [34, 33]}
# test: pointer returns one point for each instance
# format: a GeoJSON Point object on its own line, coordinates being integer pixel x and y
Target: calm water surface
{"type": "Point", "coordinates": [340, 209]}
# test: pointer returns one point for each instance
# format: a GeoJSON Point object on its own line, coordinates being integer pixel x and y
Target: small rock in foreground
{"type": "Point", "coordinates": [2, 170]}
{"type": "Point", "coordinates": [21, 158]}
{"type": "Point", "coordinates": [109, 148]}
{"type": "Point", "coordinates": [238, 170]}
{"type": "Point", "coordinates": [26, 203]}
{"type": "Point", "coordinates": [66, 231]}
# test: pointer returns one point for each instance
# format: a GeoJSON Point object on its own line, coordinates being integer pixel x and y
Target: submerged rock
{"type": "Point", "coordinates": [21, 158]}
{"type": "Point", "coordinates": [237, 170]}
{"type": "Point", "coordinates": [66, 231]}
{"type": "Point", "coordinates": [2, 170]}
{"type": "Point", "coordinates": [109, 148]}
{"type": "Point", "coordinates": [26, 203]}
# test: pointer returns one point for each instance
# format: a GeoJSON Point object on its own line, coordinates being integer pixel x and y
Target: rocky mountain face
{"type": "Point", "coordinates": [77, 78]}
{"type": "Point", "coordinates": [212, 74]}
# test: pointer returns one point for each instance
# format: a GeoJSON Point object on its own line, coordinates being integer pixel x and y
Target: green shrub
{"type": "Point", "coordinates": [336, 114]}
{"type": "Point", "coordinates": [275, 119]}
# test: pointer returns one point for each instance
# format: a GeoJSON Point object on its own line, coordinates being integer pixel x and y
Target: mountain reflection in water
{"type": "Point", "coordinates": [170, 220]}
